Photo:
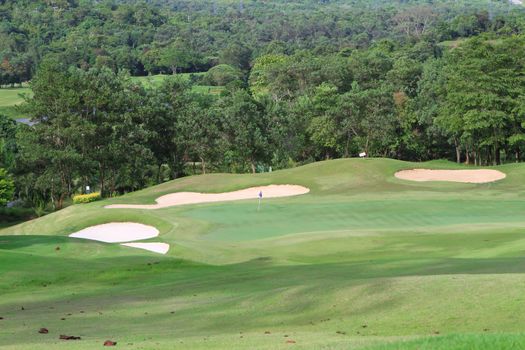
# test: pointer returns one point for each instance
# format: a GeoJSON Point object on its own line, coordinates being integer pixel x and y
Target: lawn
{"type": "Point", "coordinates": [364, 261]}
{"type": "Point", "coordinates": [11, 97]}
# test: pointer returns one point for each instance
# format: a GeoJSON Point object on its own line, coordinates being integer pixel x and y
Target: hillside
{"type": "Point", "coordinates": [363, 260]}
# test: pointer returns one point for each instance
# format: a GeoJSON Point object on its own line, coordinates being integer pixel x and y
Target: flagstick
{"type": "Point", "coordinates": [259, 205]}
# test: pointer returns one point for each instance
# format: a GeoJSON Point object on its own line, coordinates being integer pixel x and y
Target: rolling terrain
{"type": "Point", "coordinates": [363, 261]}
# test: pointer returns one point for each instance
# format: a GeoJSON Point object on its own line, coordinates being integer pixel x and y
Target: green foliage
{"type": "Point", "coordinates": [169, 58]}
{"type": "Point", "coordinates": [323, 126]}
{"type": "Point", "coordinates": [15, 214]}
{"type": "Point", "coordinates": [85, 120]}
{"type": "Point", "coordinates": [86, 198]}
{"type": "Point", "coordinates": [262, 71]}
{"type": "Point", "coordinates": [244, 130]}
{"type": "Point", "coordinates": [160, 36]}
{"type": "Point", "coordinates": [484, 92]}
{"type": "Point", "coordinates": [257, 84]}
{"type": "Point", "coordinates": [7, 187]}
{"type": "Point", "coordinates": [222, 74]}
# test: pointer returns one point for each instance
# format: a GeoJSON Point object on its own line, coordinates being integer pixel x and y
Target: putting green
{"type": "Point", "coordinates": [363, 261]}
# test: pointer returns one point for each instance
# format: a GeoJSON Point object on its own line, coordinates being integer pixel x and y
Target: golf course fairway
{"type": "Point", "coordinates": [363, 261]}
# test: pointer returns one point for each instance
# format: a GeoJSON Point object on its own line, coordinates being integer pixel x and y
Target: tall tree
{"type": "Point", "coordinates": [485, 86]}
{"type": "Point", "coordinates": [244, 130]}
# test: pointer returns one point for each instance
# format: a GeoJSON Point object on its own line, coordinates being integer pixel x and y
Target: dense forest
{"type": "Point", "coordinates": [303, 81]}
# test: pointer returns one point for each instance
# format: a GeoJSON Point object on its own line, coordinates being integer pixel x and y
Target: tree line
{"type": "Point", "coordinates": [101, 128]}
{"type": "Point", "coordinates": [152, 37]}
{"type": "Point", "coordinates": [410, 81]}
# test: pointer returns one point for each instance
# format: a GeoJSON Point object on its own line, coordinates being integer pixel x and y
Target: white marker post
{"type": "Point", "coordinates": [260, 198]}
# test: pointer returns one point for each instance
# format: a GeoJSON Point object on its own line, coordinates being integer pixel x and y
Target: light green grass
{"type": "Point", "coordinates": [11, 97]}
{"type": "Point", "coordinates": [364, 261]}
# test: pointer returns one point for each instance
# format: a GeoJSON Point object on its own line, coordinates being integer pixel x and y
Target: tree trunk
{"type": "Point", "coordinates": [458, 151]}
{"type": "Point", "coordinates": [517, 156]}
{"type": "Point", "coordinates": [53, 199]}
{"type": "Point", "coordinates": [497, 159]}
{"type": "Point", "coordinates": [174, 70]}
{"type": "Point", "coordinates": [175, 168]}
{"type": "Point", "coordinates": [253, 167]}
{"type": "Point", "coordinates": [467, 159]}
{"type": "Point", "coordinates": [347, 146]}
{"type": "Point", "coordinates": [113, 188]}
{"type": "Point", "coordinates": [203, 165]}
{"type": "Point", "coordinates": [102, 181]}
{"type": "Point", "coordinates": [60, 202]}
{"type": "Point", "coordinates": [158, 173]}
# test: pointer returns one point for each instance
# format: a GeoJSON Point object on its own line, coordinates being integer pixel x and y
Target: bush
{"type": "Point", "coordinates": [15, 214]}
{"type": "Point", "coordinates": [7, 187]}
{"type": "Point", "coordinates": [86, 198]}
{"type": "Point", "coordinates": [221, 75]}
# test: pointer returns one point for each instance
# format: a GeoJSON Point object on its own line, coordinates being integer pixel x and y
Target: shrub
{"type": "Point", "coordinates": [7, 187]}
{"type": "Point", "coordinates": [15, 214]}
{"type": "Point", "coordinates": [221, 75]}
{"type": "Point", "coordinates": [86, 198]}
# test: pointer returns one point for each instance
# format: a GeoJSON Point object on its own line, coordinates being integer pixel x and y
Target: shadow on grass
{"type": "Point", "coordinates": [251, 295]}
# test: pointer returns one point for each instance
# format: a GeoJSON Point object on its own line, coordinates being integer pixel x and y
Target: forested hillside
{"type": "Point", "coordinates": [187, 36]}
{"type": "Point", "coordinates": [299, 81]}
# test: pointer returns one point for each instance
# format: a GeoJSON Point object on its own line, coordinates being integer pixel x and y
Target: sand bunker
{"type": "Point", "coordinates": [117, 232]}
{"type": "Point", "coordinates": [161, 248]}
{"type": "Point", "coordinates": [476, 176]}
{"type": "Point", "coordinates": [182, 198]}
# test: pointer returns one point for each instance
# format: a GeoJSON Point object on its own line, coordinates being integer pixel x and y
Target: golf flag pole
{"type": "Point", "coordinates": [260, 198]}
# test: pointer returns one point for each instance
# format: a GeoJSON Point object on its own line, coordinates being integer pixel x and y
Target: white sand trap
{"type": "Point", "coordinates": [161, 248]}
{"type": "Point", "coordinates": [117, 232]}
{"type": "Point", "coordinates": [182, 198]}
{"type": "Point", "coordinates": [476, 176]}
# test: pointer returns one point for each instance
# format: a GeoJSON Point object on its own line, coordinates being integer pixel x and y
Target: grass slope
{"type": "Point", "coordinates": [365, 261]}
{"type": "Point", "coordinates": [11, 97]}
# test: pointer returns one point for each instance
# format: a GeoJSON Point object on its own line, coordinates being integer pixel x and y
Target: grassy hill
{"type": "Point", "coordinates": [364, 261]}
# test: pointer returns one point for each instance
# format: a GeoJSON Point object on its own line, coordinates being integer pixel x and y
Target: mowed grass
{"type": "Point", "coordinates": [364, 261]}
{"type": "Point", "coordinates": [10, 98]}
